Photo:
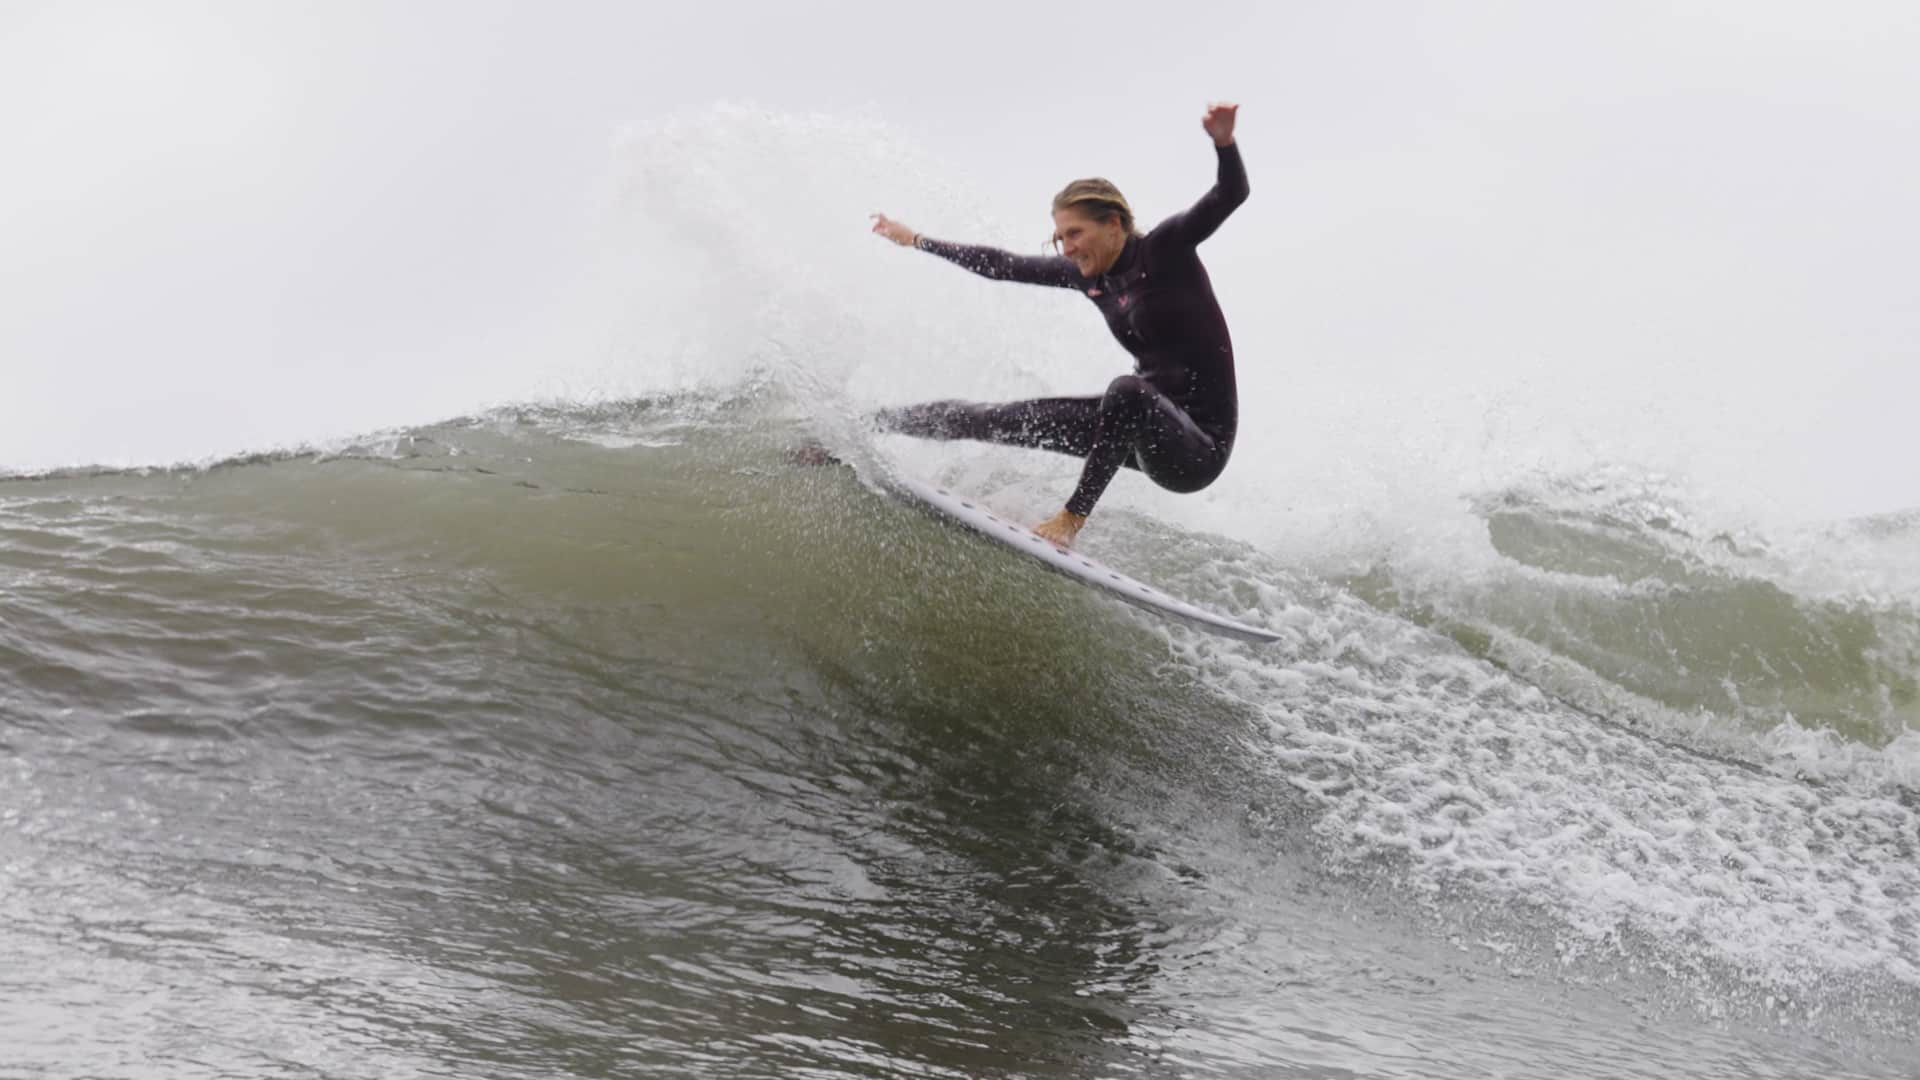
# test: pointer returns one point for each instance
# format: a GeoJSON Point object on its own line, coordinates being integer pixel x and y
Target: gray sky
{"type": "Point", "coordinates": [1684, 231]}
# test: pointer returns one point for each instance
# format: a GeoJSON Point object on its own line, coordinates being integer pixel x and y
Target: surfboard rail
{"type": "Point", "coordinates": [971, 514]}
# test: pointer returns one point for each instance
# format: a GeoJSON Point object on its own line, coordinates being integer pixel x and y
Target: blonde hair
{"type": "Point", "coordinates": [1097, 199]}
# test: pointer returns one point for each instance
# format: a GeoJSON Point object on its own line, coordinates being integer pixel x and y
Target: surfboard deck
{"type": "Point", "coordinates": [971, 514]}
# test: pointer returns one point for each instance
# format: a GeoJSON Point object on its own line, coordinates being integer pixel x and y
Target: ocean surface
{"type": "Point", "coordinates": [597, 739]}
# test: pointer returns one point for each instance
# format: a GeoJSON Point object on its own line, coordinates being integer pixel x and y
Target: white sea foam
{"type": "Point", "coordinates": [1406, 752]}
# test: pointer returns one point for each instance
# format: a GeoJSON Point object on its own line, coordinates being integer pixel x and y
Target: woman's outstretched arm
{"type": "Point", "coordinates": [988, 262]}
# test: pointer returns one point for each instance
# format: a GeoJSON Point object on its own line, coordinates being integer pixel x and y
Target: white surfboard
{"type": "Point", "coordinates": [971, 514]}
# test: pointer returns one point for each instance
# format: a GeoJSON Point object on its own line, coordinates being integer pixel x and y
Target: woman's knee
{"type": "Point", "coordinates": [1124, 407]}
{"type": "Point", "coordinates": [1126, 391]}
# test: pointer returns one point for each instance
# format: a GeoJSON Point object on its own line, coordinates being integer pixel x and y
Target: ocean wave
{"type": "Point", "coordinates": [1632, 724]}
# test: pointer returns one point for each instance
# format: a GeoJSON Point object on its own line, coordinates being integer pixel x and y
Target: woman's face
{"type": "Point", "coordinates": [1093, 246]}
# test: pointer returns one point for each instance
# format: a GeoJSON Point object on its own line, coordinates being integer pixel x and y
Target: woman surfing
{"type": "Point", "coordinates": [1174, 418]}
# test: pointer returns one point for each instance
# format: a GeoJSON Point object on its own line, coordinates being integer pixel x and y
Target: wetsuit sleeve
{"type": "Point", "coordinates": [1001, 265]}
{"type": "Point", "coordinates": [1229, 190]}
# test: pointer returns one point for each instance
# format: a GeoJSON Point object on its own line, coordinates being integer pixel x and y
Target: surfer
{"type": "Point", "coordinates": [1174, 418]}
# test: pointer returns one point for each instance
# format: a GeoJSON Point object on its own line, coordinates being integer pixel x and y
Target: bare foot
{"type": "Point", "coordinates": [1060, 529]}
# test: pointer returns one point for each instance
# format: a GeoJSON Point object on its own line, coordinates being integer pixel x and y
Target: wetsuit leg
{"type": "Point", "coordinates": [1064, 425]}
{"type": "Point", "coordinates": [1133, 425]}
{"type": "Point", "coordinates": [1138, 425]}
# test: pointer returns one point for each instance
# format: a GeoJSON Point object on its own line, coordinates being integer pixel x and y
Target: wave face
{"type": "Point", "coordinates": [570, 738]}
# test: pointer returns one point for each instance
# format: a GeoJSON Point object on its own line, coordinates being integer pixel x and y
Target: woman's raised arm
{"type": "Point", "coordinates": [1229, 190]}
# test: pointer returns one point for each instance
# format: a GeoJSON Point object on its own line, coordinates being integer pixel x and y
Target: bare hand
{"type": "Point", "coordinates": [1060, 529]}
{"type": "Point", "coordinates": [1219, 122]}
{"type": "Point", "coordinates": [894, 231]}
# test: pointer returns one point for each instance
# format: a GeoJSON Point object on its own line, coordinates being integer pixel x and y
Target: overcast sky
{"type": "Point", "coordinates": [232, 225]}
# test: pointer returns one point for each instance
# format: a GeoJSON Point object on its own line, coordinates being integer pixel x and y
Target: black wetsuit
{"type": "Point", "coordinates": [1175, 418]}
